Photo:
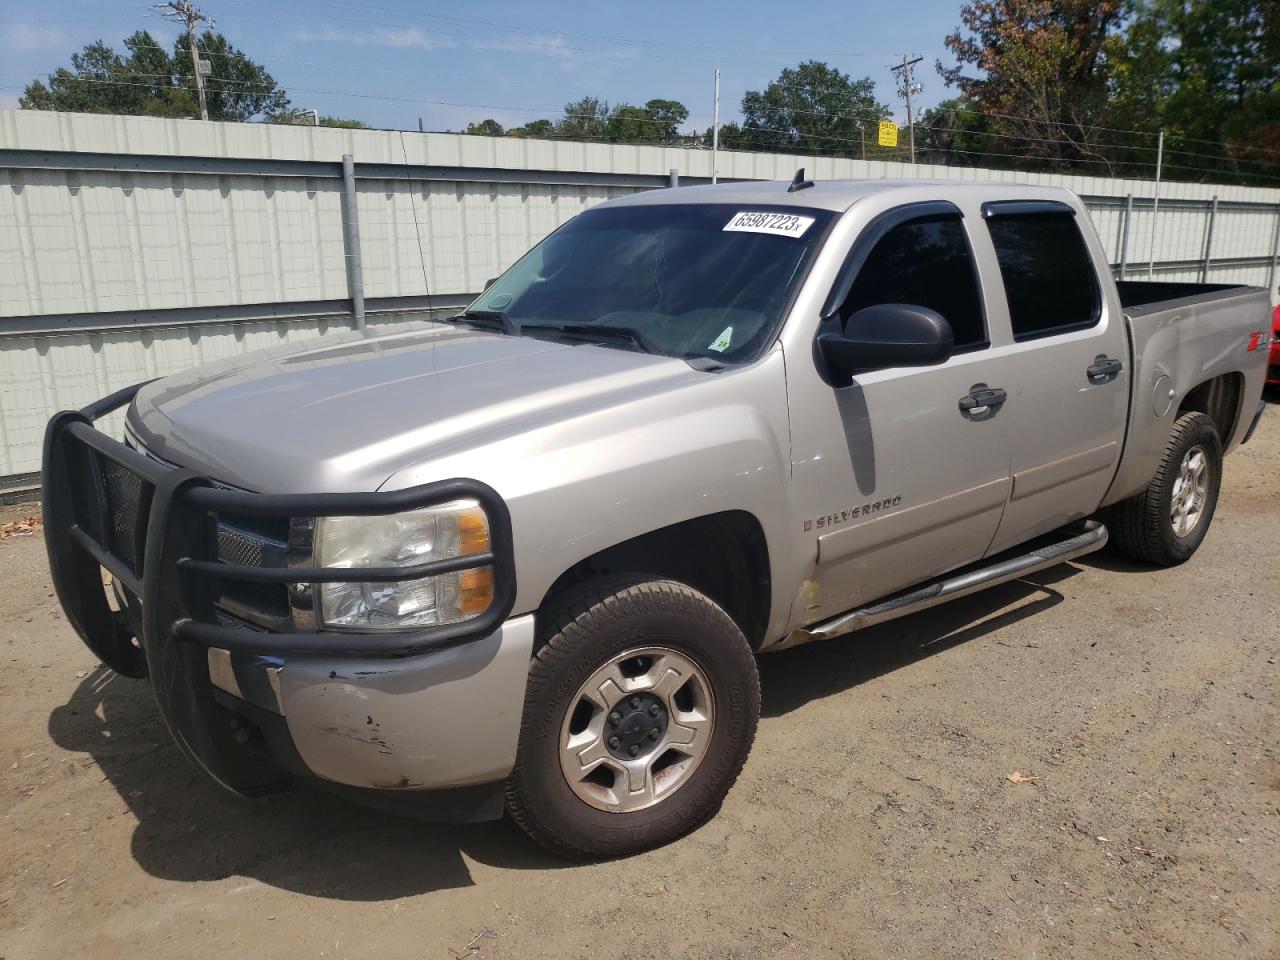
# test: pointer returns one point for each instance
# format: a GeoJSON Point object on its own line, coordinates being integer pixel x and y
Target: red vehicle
{"type": "Point", "coordinates": [1273, 361]}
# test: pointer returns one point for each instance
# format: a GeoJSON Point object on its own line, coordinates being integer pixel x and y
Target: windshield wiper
{"type": "Point", "coordinates": [488, 320]}
{"type": "Point", "coordinates": [588, 331]}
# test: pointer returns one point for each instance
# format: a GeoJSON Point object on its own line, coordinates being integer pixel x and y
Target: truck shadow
{"type": "Point", "coordinates": [304, 840]}
{"type": "Point", "coordinates": [308, 842]}
{"type": "Point", "coordinates": [791, 678]}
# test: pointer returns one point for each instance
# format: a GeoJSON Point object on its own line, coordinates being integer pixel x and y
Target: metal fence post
{"type": "Point", "coordinates": [1124, 234]}
{"type": "Point", "coordinates": [673, 177]}
{"type": "Point", "coordinates": [1275, 255]}
{"type": "Point", "coordinates": [351, 239]}
{"type": "Point", "coordinates": [1208, 239]}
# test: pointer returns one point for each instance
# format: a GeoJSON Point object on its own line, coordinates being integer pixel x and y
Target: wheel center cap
{"type": "Point", "coordinates": [635, 726]}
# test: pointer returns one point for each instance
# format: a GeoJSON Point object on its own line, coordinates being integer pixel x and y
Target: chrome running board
{"type": "Point", "coordinates": [1093, 538]}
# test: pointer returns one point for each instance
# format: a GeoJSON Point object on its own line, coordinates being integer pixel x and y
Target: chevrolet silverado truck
{"type": "Point", "coordinates": [524, 559]}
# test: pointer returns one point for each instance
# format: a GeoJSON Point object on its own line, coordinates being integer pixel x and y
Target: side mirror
{"type": "Point", "coordinates": [490, 282]}
{"type": "Point", "coordinates": [887, 335]}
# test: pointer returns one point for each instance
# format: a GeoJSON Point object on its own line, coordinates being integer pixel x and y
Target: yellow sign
{"type": "Point", "coordinates": [888, 133]}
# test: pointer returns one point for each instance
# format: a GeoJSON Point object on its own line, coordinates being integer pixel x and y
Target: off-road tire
{"type": "Point", "coordinates": [1141, 526]}
{"type": "Point", "coordinates": [578, 633]}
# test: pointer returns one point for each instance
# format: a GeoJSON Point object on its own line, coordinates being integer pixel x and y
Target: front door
{"type": "Point", "coordinates": [1069, 382]}
{"type": "Point", "coordinates": [901, 474]}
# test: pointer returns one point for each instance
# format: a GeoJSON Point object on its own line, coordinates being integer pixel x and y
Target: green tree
{"type": "Point", "coordinates": [541, 129]}
{"type": "Point", "coordinates": [238, 88]}
{"type": "Point", "coordinates": [585, 119]}
{"type": "Point", "coordinates": [153, 82]}
{"type": "Point", "coordinates": [1208, 73]}
{"type": "Point", "coordinates": [665, 117]}
{"type": "Point", "coordinates": [810, 108]}
{"type": "Point", "coordinates": [486, 128]}
{"type": "Point", "coordinates": [953, 134]}
{"type": "Point", "coordinates": [1042, 67]}
{"type": "Point", "coordinates": [658, 121]}
{"type": "Point", "coordinates": [343, 123]}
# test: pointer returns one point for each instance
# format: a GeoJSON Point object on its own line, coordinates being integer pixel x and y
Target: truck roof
{"type": "Point", "coordinates": [839, 195]}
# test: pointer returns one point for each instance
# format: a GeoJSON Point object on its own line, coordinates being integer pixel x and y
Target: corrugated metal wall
{"type": "Point", "coordinates": [131, 247]}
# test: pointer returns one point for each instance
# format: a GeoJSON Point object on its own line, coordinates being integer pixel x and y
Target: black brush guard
{"type": "Point", "coordinates": [154, 529]}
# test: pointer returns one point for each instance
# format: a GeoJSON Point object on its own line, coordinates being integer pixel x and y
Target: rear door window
{"type": "Point", "coordinates": [1048, 277]}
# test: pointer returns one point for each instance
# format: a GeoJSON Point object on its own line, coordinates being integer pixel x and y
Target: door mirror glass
{"type": "Point", "coordinates": [884, 336]}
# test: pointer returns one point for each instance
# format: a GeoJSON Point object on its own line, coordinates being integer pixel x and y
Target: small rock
{"type": "Point", "coordinates": [81, 674]}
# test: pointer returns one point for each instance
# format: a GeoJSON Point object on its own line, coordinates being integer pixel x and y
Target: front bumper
{"type": "Point", "coordinates": [406, 711]}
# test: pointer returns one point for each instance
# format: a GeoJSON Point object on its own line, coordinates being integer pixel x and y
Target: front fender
{"type": "Point", "coordinates": [587, 482]}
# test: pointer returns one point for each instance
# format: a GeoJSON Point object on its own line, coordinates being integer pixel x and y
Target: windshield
{"type": "Point", "coordinates": [695, 280]}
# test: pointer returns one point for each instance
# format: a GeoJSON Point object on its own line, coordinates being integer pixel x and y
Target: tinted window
{"type": "Point", "coordinates": [696, 280]}
{"type": "Point", "coordinates": [1048, 276]}
{"type": "Point", "coordinates": [927, 263]}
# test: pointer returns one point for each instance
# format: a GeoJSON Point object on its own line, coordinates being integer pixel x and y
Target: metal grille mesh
{"type": "Point", "coordinates": [124, 496]}
{"type": "Point", "coordinates": [244, 549]}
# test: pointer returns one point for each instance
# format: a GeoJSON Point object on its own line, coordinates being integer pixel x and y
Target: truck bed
{"type": "Point", "coordinates": [1143, 296]}
{"type": "Point", "coordinates": [1183, 335]}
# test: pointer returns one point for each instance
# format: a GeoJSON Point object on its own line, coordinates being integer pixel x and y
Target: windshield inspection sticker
{"type": "Point", "coordinates": [721, 343]}
{"type": "Point", "coordinates": [777, 224]}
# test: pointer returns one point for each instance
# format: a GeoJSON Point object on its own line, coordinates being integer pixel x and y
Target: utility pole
{"type": "Point", "coordinates": [187, 13]}
{"type": "Point", "coordinates": [715, 130]}
{"type": "Point", "coordinates": [906, 88]}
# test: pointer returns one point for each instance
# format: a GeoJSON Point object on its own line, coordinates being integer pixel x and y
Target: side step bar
{"type": "Point", "coordinates": [1092, 539]}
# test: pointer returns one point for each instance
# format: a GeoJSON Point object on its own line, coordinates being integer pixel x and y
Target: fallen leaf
{"type": "Point", "coordinates": [1018, 777]}
{"type": "Point", "coordinates": [20, 528]}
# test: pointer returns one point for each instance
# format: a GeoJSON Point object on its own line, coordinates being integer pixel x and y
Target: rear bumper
{"type": "Point", "coordinates": [402, 712]}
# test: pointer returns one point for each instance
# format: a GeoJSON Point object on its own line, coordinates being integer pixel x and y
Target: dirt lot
{"type": "Point", "coordinates": [875, 818]}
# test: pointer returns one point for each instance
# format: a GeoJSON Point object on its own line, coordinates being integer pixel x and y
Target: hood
{"type": "Point", "coordinates": [348, 412]}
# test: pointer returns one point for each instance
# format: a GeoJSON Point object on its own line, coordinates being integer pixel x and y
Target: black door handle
{"type": "Point", "coordinates": [986, 397]}
{"type": "Point", "coordinates": [1103, 368]}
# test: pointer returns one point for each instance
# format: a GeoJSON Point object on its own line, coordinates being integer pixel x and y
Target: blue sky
{"type": "Point", "coordinates": [389, 62]}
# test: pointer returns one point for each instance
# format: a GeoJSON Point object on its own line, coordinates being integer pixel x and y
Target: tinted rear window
{"type": "Point", "coordinates": [1048, 277]}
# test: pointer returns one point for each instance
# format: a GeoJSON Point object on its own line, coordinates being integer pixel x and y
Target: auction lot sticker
{"type": "Point", "coordinates": [777, 224]}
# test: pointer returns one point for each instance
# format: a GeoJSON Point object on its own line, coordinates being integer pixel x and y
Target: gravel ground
{"type": "Point", "coordinates": [876, 816]}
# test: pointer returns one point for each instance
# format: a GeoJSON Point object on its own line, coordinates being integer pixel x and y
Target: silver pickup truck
{"type": "Point", "coordinates": [524, 559]}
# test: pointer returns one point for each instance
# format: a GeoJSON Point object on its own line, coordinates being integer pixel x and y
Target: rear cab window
{"type": "Point", "coordinates": [1048, 276]}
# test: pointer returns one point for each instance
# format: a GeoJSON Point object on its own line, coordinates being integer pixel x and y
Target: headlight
{"type": "Point", "coordinates": [403, 540]}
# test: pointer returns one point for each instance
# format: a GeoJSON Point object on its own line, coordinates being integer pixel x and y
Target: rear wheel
{"type": "Point", "coordinates": [1165, 523]}
{"type": "Point", "coordinates": [641, 708]}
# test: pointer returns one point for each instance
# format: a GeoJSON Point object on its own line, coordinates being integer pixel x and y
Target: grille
{"type": "Point", "coordinates": [245, 549]}
{"type": "Point", "coordinates": [265, 604]}
{"type": "Point", "coordinates": [111, 505]}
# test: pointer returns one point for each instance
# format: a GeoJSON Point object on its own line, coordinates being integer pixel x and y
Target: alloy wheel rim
{"type": "Point", "coordinates": [637, 729]}
{"type": "Point", "coordinates": [1190, 491]}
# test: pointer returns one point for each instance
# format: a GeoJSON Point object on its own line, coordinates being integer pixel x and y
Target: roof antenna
{"type": "Point", "coordinates": [798, 182]}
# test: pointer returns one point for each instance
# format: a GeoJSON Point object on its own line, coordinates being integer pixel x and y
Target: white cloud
{"type": "Point", "coordinates": [31, 36]}
{"type": "Point", "coordinates": [556, 46]}
{"type": "Point", "coordinates": [398, 37]}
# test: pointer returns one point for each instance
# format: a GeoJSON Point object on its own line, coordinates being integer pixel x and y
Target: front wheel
{"type": "Point", "coordinates": [641, 708]}
{"type": "Point", "coordinates": [1166, 522]}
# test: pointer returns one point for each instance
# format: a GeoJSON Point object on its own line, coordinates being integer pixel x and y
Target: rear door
{"type": "Point", "coordinates": [1067, 378]}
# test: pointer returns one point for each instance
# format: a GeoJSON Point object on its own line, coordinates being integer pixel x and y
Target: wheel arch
{"type": "Point", "coordinates": [1219, 399]}
{"type": "Point", "coordinates": [723, 555]}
